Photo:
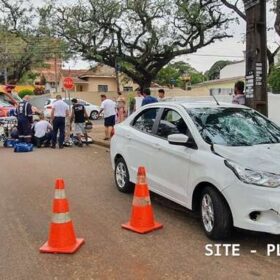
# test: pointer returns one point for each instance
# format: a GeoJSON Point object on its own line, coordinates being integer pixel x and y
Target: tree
{"type": "Point", "coordinates": [172, 74]}
{"type": "Point", "coordinates": [235, 7]}
{"type": "Point", "coordinates": [274, 80]}
{"type": "Point", "coordinates": [214, 72]}
{"type": "Point", "coordinates": [23, 45]}
{"type": "Point", "coordinates": [141, 36]}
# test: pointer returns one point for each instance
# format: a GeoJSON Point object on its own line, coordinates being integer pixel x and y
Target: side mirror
{"type": "Point", "coordinates": [178, 139]}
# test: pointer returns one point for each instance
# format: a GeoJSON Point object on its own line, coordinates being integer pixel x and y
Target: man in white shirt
{"type": "Point", "coordinates": [43, 132]}
{"type": "Point", "coordinates": [60, 111]}
{"type": "Point", "coordinates": [138, 100]}
{"type": "Point", "coordinates": [109, 108]}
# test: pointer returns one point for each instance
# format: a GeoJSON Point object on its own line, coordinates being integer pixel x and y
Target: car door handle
{"type": "Point", "coordinates": [128, 137]}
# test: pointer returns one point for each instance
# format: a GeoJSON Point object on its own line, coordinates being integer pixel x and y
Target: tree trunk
{"type": "Point", "coordinates": [277, 21]}
{"type": "Point", "coordinates": [144, 83]}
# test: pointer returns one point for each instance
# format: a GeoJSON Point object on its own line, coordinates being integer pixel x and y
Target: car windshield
{"type": "Point", "coordinates": [234, 126]}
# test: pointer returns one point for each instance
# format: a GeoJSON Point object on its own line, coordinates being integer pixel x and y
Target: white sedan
{"type": "Point", "coordinates": [91, 109]}
{"type": "Point", "coordinates": [221, 160]}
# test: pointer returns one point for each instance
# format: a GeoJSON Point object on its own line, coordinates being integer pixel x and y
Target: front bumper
{"type": "Point", "coordinates": [253, 207]}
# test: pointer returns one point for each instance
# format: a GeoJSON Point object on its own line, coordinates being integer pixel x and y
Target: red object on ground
{"type": "Point", "coordinates": [68, 83]}
{"type": "Point", "coordinates": [62, 238]}
{"type": "Point", "coordinates": [142, 217]}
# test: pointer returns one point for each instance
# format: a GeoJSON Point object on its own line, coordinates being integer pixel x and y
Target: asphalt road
{"type": "Point", "coordinates": [175, 252]}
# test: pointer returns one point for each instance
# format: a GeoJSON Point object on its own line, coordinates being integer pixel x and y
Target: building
{"type": "Point", "coordinates": [236, 69]}
{"type": "Point", "coordinates": [101, 78]}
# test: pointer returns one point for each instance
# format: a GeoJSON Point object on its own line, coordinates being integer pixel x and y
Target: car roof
{"type": "Point", "coordinates": [191, 103]}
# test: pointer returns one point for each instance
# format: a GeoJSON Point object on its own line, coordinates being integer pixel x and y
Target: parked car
{"type": "Point", "coordinates": [221, 160]}
{"type": "Point", "coordinates": [92, 110]}
{"type": "Point", "coordinates": [6, 109]}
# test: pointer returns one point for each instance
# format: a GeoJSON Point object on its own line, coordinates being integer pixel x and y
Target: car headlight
{"type": "Point", "coordinates": [249, 176]}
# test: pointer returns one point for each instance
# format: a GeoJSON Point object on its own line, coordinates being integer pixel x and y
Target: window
{"type": "Point", "coordinates": [145, 120]}
{"type": "Point", "coordinates": [171, 123]}
{"type": "Point", "coordinates": [127, 89]}
{"type": "Point", "coordinates": [102, 88]}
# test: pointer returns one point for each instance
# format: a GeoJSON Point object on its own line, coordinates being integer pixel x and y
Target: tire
{"type": "Point", "coordinates": [122, 177]}
{"type": "Point", "coordinates": [215, 215]}
{"type": "Point", "coordinates": [94, 115]}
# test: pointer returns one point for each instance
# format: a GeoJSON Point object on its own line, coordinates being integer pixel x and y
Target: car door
{"type": "Point", "coordinates": [139, 141]}
{"type": "Point", "coordinates": [170, 164]}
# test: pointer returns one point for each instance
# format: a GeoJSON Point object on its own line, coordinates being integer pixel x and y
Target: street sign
{"type": "Point", "coordinates": [250, 3]}
{"type": "Point", "coordinates": [68, 83]}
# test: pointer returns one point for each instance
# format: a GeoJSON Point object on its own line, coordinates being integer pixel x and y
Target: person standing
{"type": "Point", "coordinates": [43, 132]}
{"type": "Point", "coordinates": [79, 115]}
{"type": "Point", "coordinates": [60, 111]}
{"type": "Point", "coordinates": [109, 108]}
{"type": "Point", "coordinates": [138, 100]}
{"type": "Point", "coordinates": [25, 118]}
{"type": "Point", "coordinates": [121, 110]}
{"type": "Point", "coordinates": [239, 96]}
{"type": "Point", "coordinates": [161, 95]}
{"type": "Point", "coordinates": [148, 99]}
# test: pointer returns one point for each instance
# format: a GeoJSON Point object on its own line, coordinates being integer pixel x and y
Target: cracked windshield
{"type": "Point", "coordinates": [234, 126]}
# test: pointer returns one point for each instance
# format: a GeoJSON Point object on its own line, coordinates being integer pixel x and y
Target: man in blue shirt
{"type": "Point", "coordinates": [148, 99]}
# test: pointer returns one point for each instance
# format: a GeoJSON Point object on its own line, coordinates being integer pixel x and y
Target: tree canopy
{"type": "Point", "coordinates": [141, 36]}
{"type": "Point", "coordinates": [172, 75]}
{"type": "Point", "coordinates": [214, 72]}
{"type": "Point", "coordinates": [24, 42]}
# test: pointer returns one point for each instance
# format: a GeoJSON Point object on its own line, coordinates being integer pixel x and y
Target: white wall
{"type": "Point", "coordinates": [233, 70]}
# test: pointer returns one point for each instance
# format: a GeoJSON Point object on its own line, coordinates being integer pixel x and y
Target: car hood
{"type": "Point", "coordinates": [257, 157]}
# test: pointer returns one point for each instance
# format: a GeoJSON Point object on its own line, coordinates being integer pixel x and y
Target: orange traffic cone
{"type": "Point", "coordinates": [142, 217]}
{"type": "Point", "coordinates": [62, 238]}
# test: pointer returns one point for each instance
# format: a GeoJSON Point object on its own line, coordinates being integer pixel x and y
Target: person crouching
{"type": "Point", "coordinates": [43, 132]}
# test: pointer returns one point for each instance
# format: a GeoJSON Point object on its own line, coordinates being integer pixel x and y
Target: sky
{"type": "Point", "coordinates": [227, 49]}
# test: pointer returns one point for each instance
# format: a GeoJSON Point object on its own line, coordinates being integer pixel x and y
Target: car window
{"type": "Point", "coordinates": [145, 120]}
{"type": "Point", "coordinates": [171, 122]}
{"type": "Point", "coordinates": [47, 102]}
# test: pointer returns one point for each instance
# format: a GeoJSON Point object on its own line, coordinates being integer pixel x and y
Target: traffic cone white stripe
{"type": "Point", "coordinates": [141, 201]}
{"type": "Point", "coordinates": [59, 194]}
{"type": "Point", "coordinates": [61, 218]}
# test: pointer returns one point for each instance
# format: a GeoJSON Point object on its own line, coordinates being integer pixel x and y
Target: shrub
{"type": "Point", "coordinates": [24, 92]}
{"type": "Point", "coordinates": [274, 80]}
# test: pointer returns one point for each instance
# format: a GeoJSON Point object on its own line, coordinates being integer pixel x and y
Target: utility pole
{"type": "Point", "coordinates": [256, 57]}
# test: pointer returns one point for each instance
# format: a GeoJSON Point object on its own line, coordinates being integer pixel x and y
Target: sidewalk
{"type": "Point", "coordinates": [97, 134]}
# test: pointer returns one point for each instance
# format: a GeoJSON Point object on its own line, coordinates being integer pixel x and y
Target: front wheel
{"type": "Point", "coordinates": [216, 217]}
{"type": "Point", "coordinates": [122, 177]}
{"type": "Point", "coordinates": [94, 115]}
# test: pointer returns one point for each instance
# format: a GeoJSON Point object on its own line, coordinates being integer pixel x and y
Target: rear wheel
{"type": "Point", "coordinates": [94, 115]}
{"type": "Point", "coordinates": [122, 177]}
{"type": "Point", "coordinates": [216, 217]}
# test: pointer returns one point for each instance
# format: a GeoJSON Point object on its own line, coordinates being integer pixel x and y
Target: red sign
{"type": "Point", "coordinates": [68, 83]}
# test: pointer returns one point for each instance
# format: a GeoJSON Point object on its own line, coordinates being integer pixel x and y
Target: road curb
{"type": "Point", "coordinates": [100, 143]}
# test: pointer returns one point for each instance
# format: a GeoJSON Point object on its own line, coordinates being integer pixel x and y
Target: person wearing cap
{"type": "Point", "coordinates": [25, 119]}
{"type": "Point", "coordinates": [79, 115]}
{"type": "Point", "coordinates": [60, 111]}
